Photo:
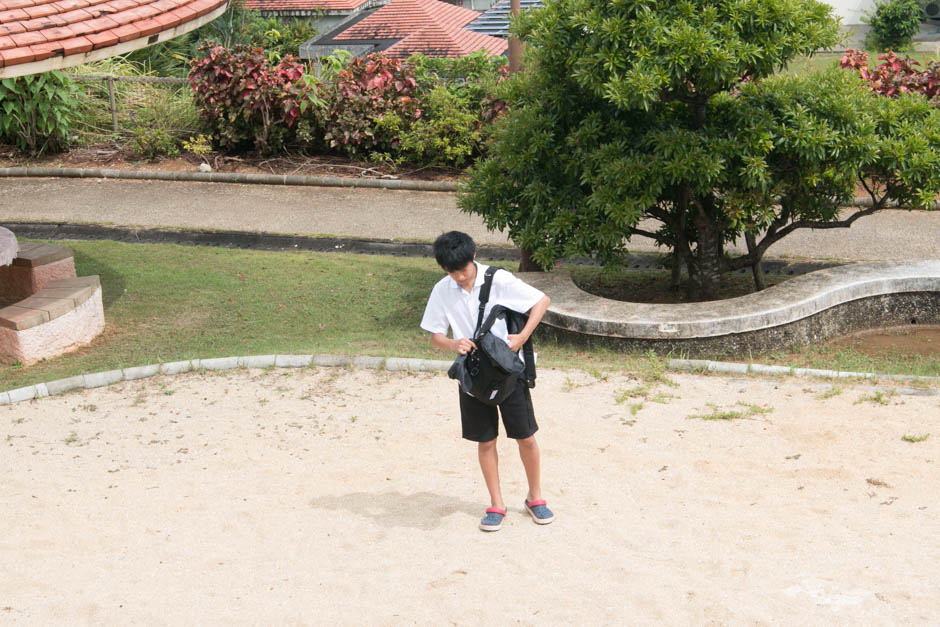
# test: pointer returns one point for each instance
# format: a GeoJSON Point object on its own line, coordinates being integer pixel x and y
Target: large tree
{"type": "Point", "coordinates": [666, 110]}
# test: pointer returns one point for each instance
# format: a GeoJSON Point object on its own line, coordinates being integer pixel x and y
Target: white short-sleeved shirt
{"type": "Point", "coordinates": [451, 307]}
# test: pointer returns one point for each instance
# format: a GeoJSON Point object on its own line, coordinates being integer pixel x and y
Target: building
{"type": "Point", "coordinates": [402, 28]}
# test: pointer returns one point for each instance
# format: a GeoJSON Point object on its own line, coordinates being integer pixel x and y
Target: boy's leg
{"type": "Point", "coordinates": [480, 424]}
{"type": "Point", "coordinates": [529, 452]}
{"type": "Point", "coordinates": [489, 464]}
{"type": "Point", "coordinates": [519, 418]}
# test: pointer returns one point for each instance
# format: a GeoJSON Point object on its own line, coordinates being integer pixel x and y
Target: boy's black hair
{"type": "Point", "coordinates": [454, 250]}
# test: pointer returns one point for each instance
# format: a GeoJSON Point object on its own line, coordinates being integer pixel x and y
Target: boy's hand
{"type": "Point", "coordinates": [516, 342]}
{"type": "Point", "coordinates": [464, 346]}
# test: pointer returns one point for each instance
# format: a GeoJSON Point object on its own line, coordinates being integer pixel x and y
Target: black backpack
{"type": "Point", "coordinates": [490, 372]}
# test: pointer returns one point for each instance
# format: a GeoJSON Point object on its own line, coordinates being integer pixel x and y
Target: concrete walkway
{"type": "Point", "coordinates": [383, 214]}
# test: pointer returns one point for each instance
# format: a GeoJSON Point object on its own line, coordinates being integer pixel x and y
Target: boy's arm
{"type": "Point", "coordinates": [535, 316]}
{"type": "Point", "coordinates": [442, 342]}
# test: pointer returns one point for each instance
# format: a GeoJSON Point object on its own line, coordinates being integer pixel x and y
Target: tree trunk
{"type": "Point", "coordinates": [705, 266]}
{"type": "Point", "coordinates": [756, 268]}
{"type": "Point", "coordinates": [676, 279]}
{"type": "Point", "coordinates": [525, 261]}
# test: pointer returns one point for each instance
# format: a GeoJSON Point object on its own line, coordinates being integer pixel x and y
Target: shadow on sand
{"type": "Point", "coordinates": [422, 510]}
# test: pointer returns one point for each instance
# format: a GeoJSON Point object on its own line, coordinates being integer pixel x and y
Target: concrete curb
{"type": "Point", "coordinates": [229, 177]}
{"type": "Point", "coordinates": [394, 364]}
{"type": "Point", "coordinates": [725, 367]}
{"type": "Point", "coordinates": [250, 240]}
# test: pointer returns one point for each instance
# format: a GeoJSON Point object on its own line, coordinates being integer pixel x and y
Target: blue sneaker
{"type": "Point", "coordinates": [540, 512]}
{"type": "Point", "coordinates": [493, 519]}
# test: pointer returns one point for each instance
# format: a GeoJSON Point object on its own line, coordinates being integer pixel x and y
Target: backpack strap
{"type": "Point", "coordinates": [484, 298]}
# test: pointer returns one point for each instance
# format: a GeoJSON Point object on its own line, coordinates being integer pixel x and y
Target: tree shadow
{"type": "Point", "coordinates": [422, 510]}
{"type": "Point", "coordinates": [113, 281]}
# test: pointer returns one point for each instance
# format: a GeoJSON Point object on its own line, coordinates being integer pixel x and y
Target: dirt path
{"type": "Point", "coordinates": [387, 214]}
{"type": "Point", "coordinates": [323, 496]}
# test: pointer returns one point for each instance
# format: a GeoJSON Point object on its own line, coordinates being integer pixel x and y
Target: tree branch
{"type": "Point", "coordinates": [649, 234]}
{"type": "Point", "coordinates": [813, 224]}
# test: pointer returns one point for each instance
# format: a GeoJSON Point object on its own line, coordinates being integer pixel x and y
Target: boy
{"type": "Point", "coordinates": [455, 304]}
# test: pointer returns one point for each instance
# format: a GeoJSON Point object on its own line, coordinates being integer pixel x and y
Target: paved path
{"type": "Point", "coordinates": [385, 214]}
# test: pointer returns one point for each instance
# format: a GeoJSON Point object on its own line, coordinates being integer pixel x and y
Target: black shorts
{"type": "Point", "coordinates": [480, 422]}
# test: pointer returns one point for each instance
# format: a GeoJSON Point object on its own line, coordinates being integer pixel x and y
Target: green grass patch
{"type": "Point", "coordinates": [831, 356]}
{"type": "Point", "coordinates": [167, 303]}
{"type": "Point", "coordinates": [915, 438]}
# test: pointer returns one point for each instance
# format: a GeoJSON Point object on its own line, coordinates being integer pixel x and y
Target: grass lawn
{"type": "Point", "coordinates": [167, 303]}
{"type": "Point", "coordinates": [826, 60]}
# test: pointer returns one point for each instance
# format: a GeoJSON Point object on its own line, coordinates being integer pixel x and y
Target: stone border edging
{"type": "Point", "coordinates": [229, 177]}
{"type": "Point", "coordinates": [805, 309]}
{"type": "Point", "coordinates": [100, 379]}
{"type": "Point", "coordinates": [727, 367]}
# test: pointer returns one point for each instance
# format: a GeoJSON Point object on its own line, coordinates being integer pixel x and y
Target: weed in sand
{"type": "Point", "coordinates": [663, 398]}
{"type": "Point", "coordinates": [653, 371]}
{"type": "Point", "coordinates": [915, 438]}
{"type": "Point", "coordinates": [71, 439]}
{"type": "Point", "coordinates": [879, 397]}
{"type": "Point", "coordinates": [833, 391]}
{"type": "Point", "coordinates": [732, 414]}
{"type": "Point", "coordinates": [635, 408]}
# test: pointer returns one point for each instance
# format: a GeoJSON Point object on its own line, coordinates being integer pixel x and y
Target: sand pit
{"type": "Point", "coordinates": [321, 496]}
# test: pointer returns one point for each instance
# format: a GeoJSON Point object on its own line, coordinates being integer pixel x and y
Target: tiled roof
{"type": "Point", "coordinates": [405, 27]}
{"type": "Point", "coordinates": [436, 41]}
{"type": "Point", "coordinates": [495, 21]}
{"type": "Point", "coordinates": [304, 5]}
{"type": "Point", "coordinates": [400, 18]}
{"type": "Point", "coordinates": [70, 32]}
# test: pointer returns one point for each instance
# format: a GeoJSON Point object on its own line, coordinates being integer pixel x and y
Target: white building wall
{"type": "Point", "coordinates": [852, 11]}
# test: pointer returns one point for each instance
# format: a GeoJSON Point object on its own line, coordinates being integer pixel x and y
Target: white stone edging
{"type": "Point", "coordinates": [726, 367]}
{"type": "Point", "coordinates": [406, 364]}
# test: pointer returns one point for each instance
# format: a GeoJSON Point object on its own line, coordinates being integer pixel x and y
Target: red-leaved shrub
{"type": "Point", "coordinates": [246, 99]}
{"type": "Point", "coordinates": [896, 75]}
{"type": "Point", "coordinates": [364, 91]}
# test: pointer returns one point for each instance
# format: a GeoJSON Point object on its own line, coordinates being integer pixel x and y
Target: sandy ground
{"type": "Point", "coordinates": [322, 496]}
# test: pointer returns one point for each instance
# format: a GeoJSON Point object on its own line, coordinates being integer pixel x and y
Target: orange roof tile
{"type": "Point", "coordinates": [435, 41]}
{"type": "Point", "coordinates": [400, 18]}
{"type": "Point", "coordinates": [430, 27]}
{"type": "Point", "coordinates": [35, 30]}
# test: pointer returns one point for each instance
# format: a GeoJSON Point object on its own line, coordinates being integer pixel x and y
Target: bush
{"type": "Point", "coordinates": [363, 93]}
{"type": "Point", "coordinates": [896, 75]}
{"type": "Point", "coordinates": [37, 111]}
{"type": "Point", "coordinates": [472, 77]}
{"type": "Point", "coordinates": [446, 134]}
{"type": "Point", "coordinates": [153, 143]}
{"type": "Point", "coordinates": [278, 38]}
{"type": "Point", "coordinates": [245, 99]}
{"type": "Point", "coordinates": [893, 25]}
